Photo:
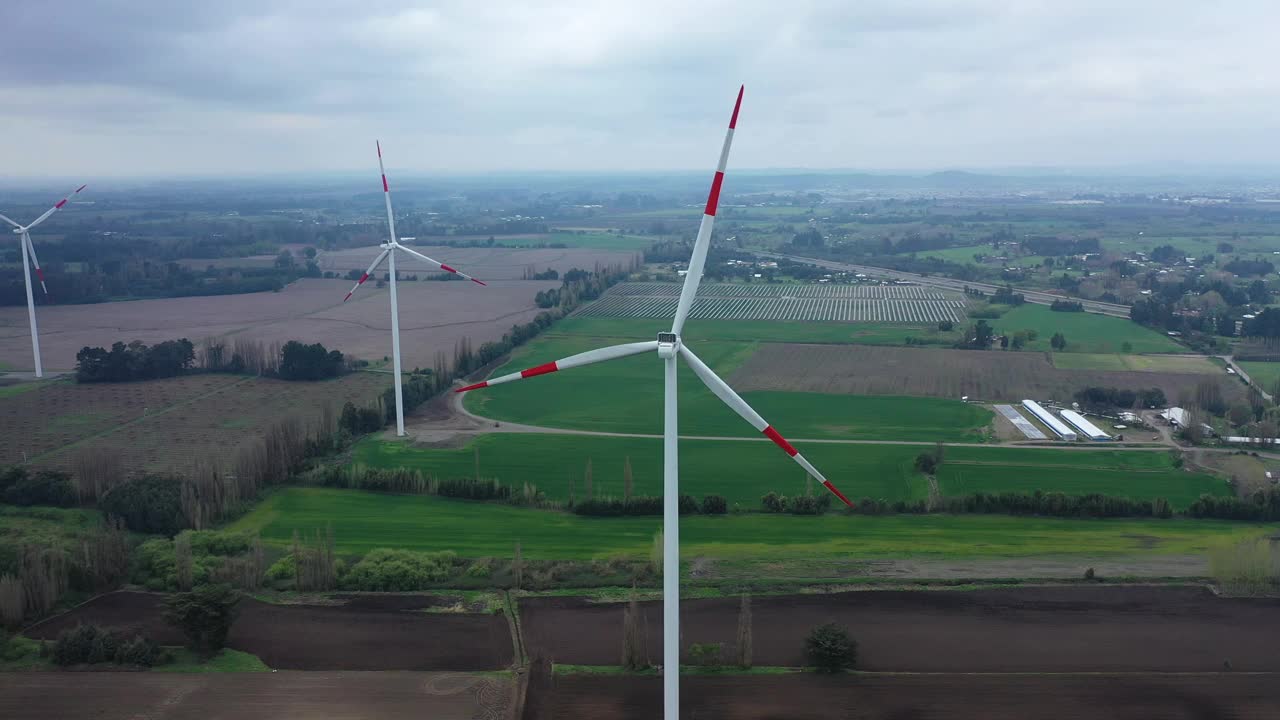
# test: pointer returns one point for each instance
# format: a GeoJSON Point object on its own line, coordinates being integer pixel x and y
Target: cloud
{"type": "Point", "coordinates": [142, 87]}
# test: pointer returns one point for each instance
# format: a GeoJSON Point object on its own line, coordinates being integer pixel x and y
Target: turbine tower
{"type": "Point", "coordinates": [29, 259]}
{"type": "Point", "coordinates": [670, 346]}
{"type": "Point", "coordinates": [388, 253]}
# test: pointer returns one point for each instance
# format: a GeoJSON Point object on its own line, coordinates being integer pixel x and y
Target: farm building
{"type": "Point", "coordinates": [1082, 424]}
{"type": "Point", "coordinates": [1015, 417]}
{"type": "Point", "coordinates": [1175, 416]}
{"type": "Point", "coordinates": [1057, 426]}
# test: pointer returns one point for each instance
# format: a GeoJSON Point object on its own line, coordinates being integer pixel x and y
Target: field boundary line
{"type": "Point", "coordinates": [135, 421]}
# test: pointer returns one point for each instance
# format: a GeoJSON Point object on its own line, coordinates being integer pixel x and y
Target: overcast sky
{"type": "Point", "coordinates": [240, 87]}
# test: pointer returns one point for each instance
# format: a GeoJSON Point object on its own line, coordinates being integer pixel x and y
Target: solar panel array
{"type": "Point", "coordinates": [768, 301]}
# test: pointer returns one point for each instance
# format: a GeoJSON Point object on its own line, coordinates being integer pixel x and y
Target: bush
{"type": "Point", "coordinates": [92, 645]}
{"type": "Point", "coordinates": [385, 570]}
{"type": "Point", "coordinates": [613, 507]}
{"type": "Point", "coordinates": [830, 649]}
{"type": "Point", "coordinates": [774, 503]}
{"type": "Point", "coordinates": [714, 505]}
{"type": "Point", "coordinates": [806, 505]}
{"type": "Point", "coordinates": [705, 654]}
{"type": "Point", "coordinates": [45, 487]}
{"type": "Point", "coordinates": [204, 615]}
{"type": "Point", "coordinates": [469, 489]}
{"type": "Point", "coordinates": [688, 505]}
{"type": "Point", "coordinates": [149, 504]}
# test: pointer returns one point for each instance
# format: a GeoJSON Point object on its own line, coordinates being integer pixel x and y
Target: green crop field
{"type": "Point", "coordinates": [744, 471]}
{"type": "Point", "coordinates": [626, 396]}
{"type": "Point", "coordinates": [1085, 332]}
{"type": "Point", "coordinates": [364, 521]}
{"type": "Point", "coordinates": [1264, 374]}
{"type": "Point", "coordinates": [784, 331]}
{"type": "Point", "coordinates": [1191, 364]}
{"type": "Point", "coordinates": [600, 240]}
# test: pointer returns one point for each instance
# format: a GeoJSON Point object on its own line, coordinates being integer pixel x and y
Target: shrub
{"type": "Point", "coordinates": [45, 487]}
{"type": "Point", "coordinates": [481, 568]}
{"type": "Point", "coordinates": [286, 568]}
{"type": "Point", "coordinates": [92, 645]}
{"type": "Point", "coordinates": [149, 504]}
{"type": "Point", "coordinates": [469, 489]}
{"type": "Point", "coordinates": [688, 505]}
{"type": "Point", "coordinates": [705, 654]}
{"type": "Point", "coordinates": [385, 570]}
{"type": "Point", "coordinates": [714, 505]}
{"type": "Point", "coordinates": [774, 503]}
{"type": "Point", "coordinates": [808, 505]}
{"type": "Point", "coordinates": [830, 649]}
{"type": "Point", "coordinates": [204, 615]}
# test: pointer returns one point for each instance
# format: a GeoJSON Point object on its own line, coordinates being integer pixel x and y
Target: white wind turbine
{"type": "Point", "coordinates": [388, 254]}
{"type": "Point", "coordinates": [670, 345]}
{"type": "Point", "coordinates": [29, 250]}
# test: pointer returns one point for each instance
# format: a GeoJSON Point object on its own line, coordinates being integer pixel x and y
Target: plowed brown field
{"type": "Point", "coordinates": [932, 372]}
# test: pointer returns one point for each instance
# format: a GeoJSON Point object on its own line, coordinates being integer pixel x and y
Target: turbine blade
{"type": "Point", "coordinates": [11, 222]}
{"type": "Point", "coordinates": [726, 394]}
{"type": "Point", "coordinates": [382, 256]}
{"type": "Point", "coordinates": [57, 207]}
{"type": "Point", "coordinates": [612, 352]}
{"type": "Point", "coordinates": [438, 264]}
{"type": "Point", "coordinates": [703, 243]}
{"type": "Point", "coordinates": [31, 248]}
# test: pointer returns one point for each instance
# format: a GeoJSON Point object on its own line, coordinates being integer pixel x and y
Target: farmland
{"type": "Point", "coordinates": [980, 374]}
{"type": "Point", "coordinates": [633, 386]}
{"type": "Point", "coordinates": [163, 424]}
{"type": "Point", "coordinates": [434, 317]}
{"type": "Point", "coordinates": [816, 331]}
{"type": "Point", "coordinates": [496, 263]}
{"type": "Point", "coordinates": [744, 471]}
{"type": "Point", "coordinates": [1264, 374]}
{"type": "Point", "coordinates": [761, 301]}
{"type": "Point", "coordinates": [1085, 332]}
{"type": "Point", "coordinates": [365, 521]}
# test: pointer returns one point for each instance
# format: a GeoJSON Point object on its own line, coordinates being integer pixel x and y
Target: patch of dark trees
{"type": "Point", "coordinates": [648, 505]}
{"type": "Point", "coordinates": [1262, 506]}
{"type": "Point", "coordinates": [1053, 245]}
{"type": "Point", "coordinates": [135, 361]}
{"type": "Point", "coordinates": [1066, 306]}
{"type": "Point", "coordinates": [1105, 398]}
{"type": "Point", "coordinates": [20, 486]}
{"type": "Point", "coordinates": [1050, 504]}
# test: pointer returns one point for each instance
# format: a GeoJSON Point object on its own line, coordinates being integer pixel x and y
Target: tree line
{"type": "Point", "coordinates": [138, 361]}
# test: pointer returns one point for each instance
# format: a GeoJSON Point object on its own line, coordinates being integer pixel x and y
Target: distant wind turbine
{"type": "Point", "coordinates": [670, 345]}
{"type": "Point", "coordinates": [29, 250]}
{"type": "Point", "coordinates": [388, 254]}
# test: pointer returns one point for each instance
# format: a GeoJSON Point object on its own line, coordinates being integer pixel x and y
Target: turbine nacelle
{"type": "Point", "coordinates": [668, 345]}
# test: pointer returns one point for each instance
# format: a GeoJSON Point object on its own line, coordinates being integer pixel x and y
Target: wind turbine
{"type": "Point", "coordinates": [388, 254]}
{"type": "Point", "coordinates": [670, 346]}
{"type": "Point", "coordinates": [30, 250]}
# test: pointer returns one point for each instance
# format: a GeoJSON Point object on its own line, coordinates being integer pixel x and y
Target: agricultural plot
{"type": "Point", "coordinates": [1085, 332]}
{"type": "Point", "coordinates": [633, 388]}
{"type": "Point", "coordinates": [755, 330]}
{"type": "Point", "coordinates": [1264, 374]}
{"type": "Point", "coordinates": [766, 301]}
{"type": "Point", "coordinates": [434, 317]}
{"type": "Point", "coordinates": [743, 471]}
{"type": "Point", "coordinates": [1194, 364]}
{"type": "Point", "coordinates": [982, 375]}
{"type": "Point", "coordinates": [486, 263]}
{"type": "Point", "coordinates": [364, 521]}
{"type": "Point", "coordinates": [163, 424]}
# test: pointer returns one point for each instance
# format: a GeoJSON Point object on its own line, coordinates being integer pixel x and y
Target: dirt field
{"type": "Point", "coordinates": [364, 636]}
{"type": "Point", "coordinates": [982, 375]}
{"type": "Point", "coordinates": [1029, 629]}
{"type": "Point", "coordinates": [496, 263]}
{"type": "Point", "coordinates": [163, 424]}
{"type": "Point", "coordinates": [433, 317]}
{"type": "Point", "coordinates": [1221, 696]}
{"type": "Point", "coordinates": [255, 696]}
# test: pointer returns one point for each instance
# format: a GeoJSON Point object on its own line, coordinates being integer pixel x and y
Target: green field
{"type": "Point", "coordinates": [364, 521]}
{"type": "Point", "coordinates": [744, 471]}
{"type": "Point", "coordinates": [1192, 364]}
{"type": "Point", "coordinates": [1264, 374]}
{"type": "Point", "coordinates": [782, 331]}
{"type": "Point", "coordinates": [1085, 332]}
{"type": "Point", "coordinates": [626, 396]}
{"type": "Point", "coordinates": [600, 240]}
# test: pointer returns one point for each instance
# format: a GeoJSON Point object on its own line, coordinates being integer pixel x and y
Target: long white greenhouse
{"type": "Point", "coordinates": [1057, 426]}
{"type": "Point", "coordinates": [1083, 425]}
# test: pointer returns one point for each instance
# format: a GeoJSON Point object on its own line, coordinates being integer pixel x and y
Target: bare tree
{"type": "Point", "coordinates": [517, 566]}
{"type": "Point", "coordinates": [12, 600]}
{"type": "Point", "coordinates": [586, 482]}
{"type": "Point", "coordinates": [96, 469]}
{"type": "Point", "coordinates": [635, 655]}
{"type": "Point", "coordinates": [744, 632]}
{"type": "Point", "coordinates": [627, 480]}
{"type": "Point", "coordinates": [183, 563]}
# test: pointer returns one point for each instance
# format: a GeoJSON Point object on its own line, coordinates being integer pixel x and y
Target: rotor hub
{"type": "Point", "coordinates": [668, 344]}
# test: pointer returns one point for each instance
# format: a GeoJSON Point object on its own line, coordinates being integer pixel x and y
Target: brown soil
{"type": "Point", "coordinates": [256, 696]}
{"type": "Point", "coordinates": [921, 697]}
{"type": "Point", "coordinates": [1028, 629]}
{"type": "Point", "coordinates": [989, 376]}
{"type": "Point", "coordinates": [376, 633]}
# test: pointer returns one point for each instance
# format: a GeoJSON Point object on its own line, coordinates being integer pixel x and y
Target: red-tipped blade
{"type": "Point", "coordinates": [585, 358]}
